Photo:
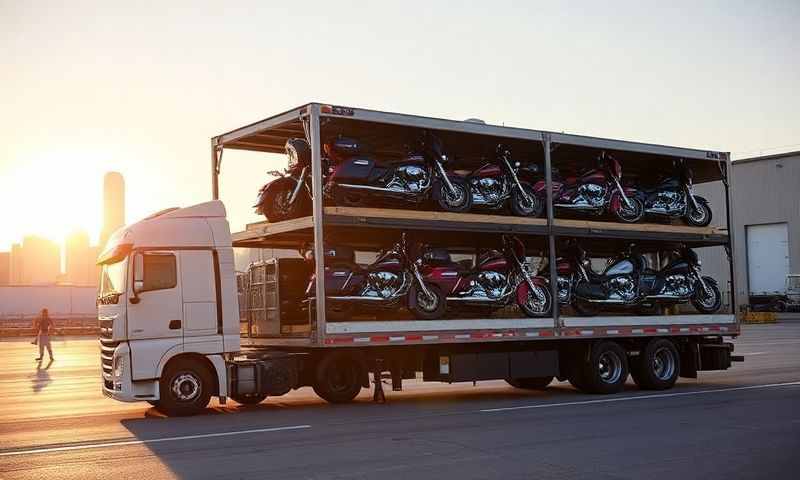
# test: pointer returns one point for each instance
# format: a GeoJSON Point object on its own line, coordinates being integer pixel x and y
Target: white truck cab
{"type": "Point", "coordinates": [168, 308]}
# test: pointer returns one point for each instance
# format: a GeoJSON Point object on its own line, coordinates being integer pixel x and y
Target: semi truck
{"type": "Point", "coordinates": [171, 326]}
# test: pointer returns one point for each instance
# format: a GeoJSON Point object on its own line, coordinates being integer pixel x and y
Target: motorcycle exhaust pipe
{"type": "Point", "coordinates": [377, 189]}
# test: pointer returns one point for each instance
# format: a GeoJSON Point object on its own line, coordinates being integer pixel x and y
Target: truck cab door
{"type": "Point", "coordinates": [155, 309]}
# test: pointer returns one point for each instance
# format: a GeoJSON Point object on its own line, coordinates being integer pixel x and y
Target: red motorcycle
{"type": "Point", "coordinates": [497, 280]}
{"type": "Point", "coordinates": [596, 191]}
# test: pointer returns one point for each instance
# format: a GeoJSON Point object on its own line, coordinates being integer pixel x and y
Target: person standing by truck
{"type": "Point", "coordinates": [43, 326]}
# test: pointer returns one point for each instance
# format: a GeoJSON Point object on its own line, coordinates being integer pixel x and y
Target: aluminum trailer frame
{"type": "Point", "coordinates": [307, 120]}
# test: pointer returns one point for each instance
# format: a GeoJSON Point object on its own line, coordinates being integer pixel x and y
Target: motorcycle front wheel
{"type": "Point", "coordinates": [700, 217]}
{"type": "Point", "coordinates": [631, 214]}
{"type": "Point", "coordinates": [539, 302]}
{"type": "Point", "coordinates": [275, 201]}
{"type": "Point", "coordinates": [458, 201]}
{"type": "Point", "coordinates": [424, 307]}
{"type": "Point", "coordinates": [707, 302]}
{"type": "Point", "coordinates": [530, 207]}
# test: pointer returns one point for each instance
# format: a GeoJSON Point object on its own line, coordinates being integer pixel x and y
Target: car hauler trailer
{"type": "Point", "coordinates": [169, 313]}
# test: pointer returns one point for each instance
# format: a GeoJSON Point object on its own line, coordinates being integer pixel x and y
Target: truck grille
{"type": "Point", "coordinates": [106, 328]}
{"type": "Point", "coordinates": [107, 348]}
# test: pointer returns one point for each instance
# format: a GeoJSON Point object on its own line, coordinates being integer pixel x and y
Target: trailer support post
{"type": "Point", "coordinates": [214, 170]}
{"type": "Point", "coordinates": [551, 239]}
{"type": "Point", "coordinates": [317, 212]}
{"type": "Point", "coordinates": [727, 178]}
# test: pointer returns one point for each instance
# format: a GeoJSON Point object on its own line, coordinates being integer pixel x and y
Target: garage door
{"type": "Point", "coordinates": [767, 257]}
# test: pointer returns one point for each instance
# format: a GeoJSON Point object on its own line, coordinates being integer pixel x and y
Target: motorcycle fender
{"type": "Point", "coordinates": [277, 183]}
{"type": "Point", "coordinates": [711, 280]}
{"type": "Point", "coordinates": [522, 288]}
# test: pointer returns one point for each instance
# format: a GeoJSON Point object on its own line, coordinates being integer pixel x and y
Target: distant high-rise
{"type": "Point", "coordinates": [79, 259]}
{"type": "Point", "coordinates": [113, 205]}
{"type": "Point", "coordinates": [5, 268]}
{"type": "Point", "coordinates": [36, 261]}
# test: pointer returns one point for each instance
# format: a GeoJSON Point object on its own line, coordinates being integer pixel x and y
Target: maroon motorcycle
{"type": "Point", "coordinates": [596, 191]}
{"type": "Point", "coordinates": [497, 280]}
{"type": "Point", "coordinates": [507, 183]}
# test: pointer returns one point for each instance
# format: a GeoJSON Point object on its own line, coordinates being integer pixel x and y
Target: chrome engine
{"type": "Point", "coordinates": [590, 195]}
{"type": "Point", "coordinates": [490, 285]}
{"type": "Point", "coordinates": [488, 191]}
{"type": "Point", "coordinates": [384, 284]}
{"type": "Point", "coordinates": [410, 178]}
{"type": "Point", "coordinates": [677, 286]}
{"type": "Point", "coordinates": [564, 287]}
{"type": "Point", "coordinates": [667, 202]}
{"type": "Point", "coordinates": [622, 288]}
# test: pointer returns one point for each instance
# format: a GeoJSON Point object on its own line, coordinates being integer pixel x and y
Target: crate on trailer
{"type": "Point", "coordinates": [275, 295]}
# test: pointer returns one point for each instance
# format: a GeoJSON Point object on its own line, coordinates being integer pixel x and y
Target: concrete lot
{"type": "Point", "coordinates": [742, 423]}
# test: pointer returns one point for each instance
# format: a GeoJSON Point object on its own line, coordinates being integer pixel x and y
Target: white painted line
{"type": "Point", "coordinates": [641, 397]}
{"type": "Point", "coordinates": [754, 353]}
{"type": "Point", "coordinates": [152, 440]}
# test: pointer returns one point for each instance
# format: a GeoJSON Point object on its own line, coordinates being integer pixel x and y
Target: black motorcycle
{"type": "Point", "coordinates": [628, 282]}
{"type": "Point", "coordinates": [673, 196]}
{"type": "Point", "coordinates": [392, 280]}
{"type": "Point", "coordinates": [492, 186]}
{"type": "Point", "coordinates": [358, 179]}
{"type": "Point", "coordinates": [289, 196]}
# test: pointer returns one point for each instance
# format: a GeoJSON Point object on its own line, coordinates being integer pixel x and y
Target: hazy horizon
{"type": "Point", "coordinates": [93, 87]}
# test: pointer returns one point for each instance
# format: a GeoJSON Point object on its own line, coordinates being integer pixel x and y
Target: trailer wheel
{"type": "Point", "coordinates": [532, 383]}
{"type": "Point", "coordinates": [185, 388]}
{"type": "Point", "coordinates": [658, 365]}
{"type": "Point", "coordinates": [606, 371]}
{"type": "Point", "coordinates": [338, 378]}
{"type": "Point", "coordinates": [249, 400]}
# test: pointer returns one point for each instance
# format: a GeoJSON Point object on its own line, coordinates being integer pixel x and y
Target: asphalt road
{"type": "Point", "coordinates": [741, 423]}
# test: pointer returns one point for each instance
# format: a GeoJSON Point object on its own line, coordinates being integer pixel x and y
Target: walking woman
{"type": "Point", "coordinates": [43, 326]}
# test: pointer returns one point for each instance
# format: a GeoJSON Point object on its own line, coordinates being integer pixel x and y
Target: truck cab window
{"type": "Point", "coordinates": [160, 271]}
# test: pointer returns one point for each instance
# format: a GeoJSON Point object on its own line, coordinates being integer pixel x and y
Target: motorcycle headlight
{"type": "Point", "coordinates": [292, 154]}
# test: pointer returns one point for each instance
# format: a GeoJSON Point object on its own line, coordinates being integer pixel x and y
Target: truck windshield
{"type": "Point", "coordinates": [112, 280]}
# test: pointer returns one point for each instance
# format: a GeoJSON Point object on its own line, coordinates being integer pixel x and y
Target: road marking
{"type": "Point", "coordinates": [641, 397]}
{"type": "Point", "coordinates": [152, 440]}
{"type": "Point", "coordinates": [754, 353]}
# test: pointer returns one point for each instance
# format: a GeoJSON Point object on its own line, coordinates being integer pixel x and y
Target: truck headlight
{"type": "Point", "coordinates": [119, 366]}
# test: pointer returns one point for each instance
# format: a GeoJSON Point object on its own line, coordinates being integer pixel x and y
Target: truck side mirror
{"type": "Point", "coordinates": [138, 277]}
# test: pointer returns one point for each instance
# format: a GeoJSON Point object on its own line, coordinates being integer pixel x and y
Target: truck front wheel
{"type": "Point", "coordinates": [338, 378]}
{"type": "Point", "coordinates": [185, 388]}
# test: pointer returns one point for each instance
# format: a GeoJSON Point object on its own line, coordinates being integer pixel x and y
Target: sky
{"type": "Point", "coordinates": [90, 87]}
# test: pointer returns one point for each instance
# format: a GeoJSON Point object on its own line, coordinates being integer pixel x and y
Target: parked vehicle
{"type": "Point", "coordinates": [628, 282]}
{"type": "Point", "coordinates": [596, 191]}
{"type": "Point", "coordinates": [498, 279]}
{"type": "Point", "coordinates": [497, 186]}
{"type": "Point", "coordinates": [673, 197]}
{"type": "Point", "coordinates": [358, 179]}
{"type": "Point", "coordinates": [393, 279]}
{"type": "Point", "coordinates": [289, 195]}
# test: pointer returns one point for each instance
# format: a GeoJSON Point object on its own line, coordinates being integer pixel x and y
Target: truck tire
{"type": "Point", "coordinates": [606, 371]}
{"type": "Point", "coordinates": [185, 387]}
{"type": "Point", "coordinates": [532, 383]}
{"type": "Point", "coordinates": [658, 365]}
{"type": "Point", "coordinates": [338, 377]}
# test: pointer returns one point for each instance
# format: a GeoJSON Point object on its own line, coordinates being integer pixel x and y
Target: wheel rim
{"type": "Point", "coordinates": [663, 364]}
{"type": "Point", "coordinates": [528, 203]}
{"type": "Point", "coordinates": [427, 303]}
{"type": "Point", "coordinates": [609, 366]}
{"type": "Point", "coordinates": [698, 215]}
{"type": "Point", "coordinates": [457, 197]}
{"type": "Point", "coordinates": [632, 212]}
{"type": "Point", "coordinates": [707, 300]}
{"type": "Point", "coordinates": [186, 387]}
{"type": "Point", "coordinates": [537, 300]}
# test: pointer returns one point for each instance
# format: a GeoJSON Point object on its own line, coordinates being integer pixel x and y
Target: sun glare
{"type": "Point", "coordinates": [52, 196]}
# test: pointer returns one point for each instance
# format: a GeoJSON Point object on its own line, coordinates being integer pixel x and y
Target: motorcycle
{"type": "Point", "coordinates": [492, 186]}
{"type": "Point", "coordinates": [393, 279]}
{"type": "Point", "coordinates": [498, 279]}
{"type": "Point", "coordinates": [596, 191]}
{"type": "Point", "coordinates": [674, 196]}
{"type": "Point", "coordinates": [357, 178]}
{"type": "Point", "coordinates": [628, 282]}
{"type": "Point", "coordinates": [289, 195]}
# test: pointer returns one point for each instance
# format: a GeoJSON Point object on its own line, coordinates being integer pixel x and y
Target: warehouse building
{"type": "Point", "coordinates": [765, 202]}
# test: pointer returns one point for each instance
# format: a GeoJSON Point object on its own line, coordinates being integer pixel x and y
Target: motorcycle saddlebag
{"type": "Point", "coordinates": [591, 291]}
{"type": "Point", "coordinates": [354, 170]}
{"type": "Point", "coordinates": [437, 257]}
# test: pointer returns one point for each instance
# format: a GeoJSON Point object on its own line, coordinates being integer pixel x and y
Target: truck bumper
{"type": "Point", "coordinates": [119, 386]}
